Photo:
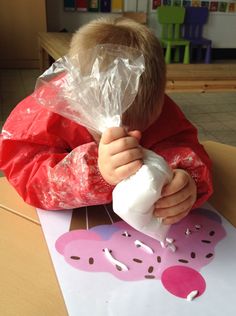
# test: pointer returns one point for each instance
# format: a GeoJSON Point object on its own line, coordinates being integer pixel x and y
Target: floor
{"type": "Point", "coordinates": [214, 114]}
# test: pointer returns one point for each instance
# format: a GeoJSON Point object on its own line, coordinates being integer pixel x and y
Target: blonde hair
{"type": "Point", "coordinates": [122, 31]}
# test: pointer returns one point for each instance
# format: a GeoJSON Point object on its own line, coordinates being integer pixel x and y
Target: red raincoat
{"type": "Point", "coordinates": [52, 161]}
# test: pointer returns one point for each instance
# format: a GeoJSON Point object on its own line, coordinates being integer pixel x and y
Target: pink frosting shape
{"type": "Point", "coordinates": [84, 250]}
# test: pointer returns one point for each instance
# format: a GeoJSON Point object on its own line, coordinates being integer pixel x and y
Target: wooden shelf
{"type": "Point", "coordinates": [180, 77]}
{"type": "Point", "coordinates": [201, 77]}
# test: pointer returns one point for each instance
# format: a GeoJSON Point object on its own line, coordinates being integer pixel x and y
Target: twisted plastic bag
{"type": "Point", "coordinates": [94, 89]}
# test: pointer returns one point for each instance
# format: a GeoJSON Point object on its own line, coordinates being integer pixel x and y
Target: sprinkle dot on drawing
{"type": "Point", "coordinates": [193, 255]}
{"type": "Point", "coordinates": [149, 276]}
{"type": "Point", "coordinates": [209, 255]}
{"type": "Point", "coordinates": [126, 234]}
{"type": "Point", "coordinates": [150, 269]}
{"type": "Point", "coordinates": [91, 260]}
{"type": "Point", "coordinates": [75, 257]}
{"type": "Point", "coordinates": [118, 268]}
{"type": "Point", "coordinates": [183, 261]}
{"type": "Point", "coordinates": [206, 241]}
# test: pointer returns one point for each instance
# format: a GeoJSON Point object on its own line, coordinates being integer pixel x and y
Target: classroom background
{"type": "Point", "coordinates": [214, 113]}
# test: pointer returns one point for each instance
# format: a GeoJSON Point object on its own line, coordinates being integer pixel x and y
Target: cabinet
{"type": "Point", "coordinates": [113, 6]}
{"type": "Point", "coordinates": [20, 22]}
{"type": "Point", "coordinates": [72, 18]}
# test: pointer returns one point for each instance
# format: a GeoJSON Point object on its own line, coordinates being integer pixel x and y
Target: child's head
{"type": "Point", "coordinates": [148, 102]}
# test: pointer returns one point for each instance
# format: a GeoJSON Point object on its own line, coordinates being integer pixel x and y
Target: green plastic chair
{"type": "Point", "coordinates": [171, 18]}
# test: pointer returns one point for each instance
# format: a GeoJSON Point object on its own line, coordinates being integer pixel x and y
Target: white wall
{"type": "Point", "coordinates": [73, 20]}
{"type": "Point", "coordinates": [221, 27]}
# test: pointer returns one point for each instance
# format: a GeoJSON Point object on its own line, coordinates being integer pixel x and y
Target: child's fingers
{"type": "Point", "coordinates": [175, 219]}
{"type": "Point", "coordinates": [129, 169]}
{"type": "Point", "coordinates": [113, 133]}
{"type": "Point", "coordinates": [179, 181]}
{"type": "Point", "coordinates": [127, 156]}
{"type": "Point", "coordinates": [123, 144]}
{"type": "Point", "coordinates": [176, 198]}
{"type": "Point", "coordinates": [176, 208]}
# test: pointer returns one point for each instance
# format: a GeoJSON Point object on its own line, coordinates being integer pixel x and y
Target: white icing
{"type": "Point", "coordinates": [172, 247]}
{"type": "Point", "coordinates": [192, 295]}
{"type": "Point", "coordinates": [115, 261]}
{"type": "Point", "coordinates": [188, 232]}
{"type": "Point", "coordinates": [144, 246]}
{"type": "Point", "coordinates": [134, 198]}
{"type": "Point", "coordinates": [169, 240]}
{"type": "Point", "coordinates": [163, 244]}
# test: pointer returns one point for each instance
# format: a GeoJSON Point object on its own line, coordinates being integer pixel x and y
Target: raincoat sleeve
{"type": "Point", "coordinates": [39, 158]}
{"type": "Point", "coordinates": [178, 144]}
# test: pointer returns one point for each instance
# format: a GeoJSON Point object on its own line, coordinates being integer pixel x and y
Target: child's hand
{"type": "Point", "coordinates": [177, 198]}
{"type": "Point", "coordinates": [119, 154]}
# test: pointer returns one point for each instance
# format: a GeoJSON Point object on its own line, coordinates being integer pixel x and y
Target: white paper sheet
{"type": "Point", "coordinates": [101, 293]}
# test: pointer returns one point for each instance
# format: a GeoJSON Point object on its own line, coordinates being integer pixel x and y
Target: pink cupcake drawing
{"type": "Point", "coordinates": [98, 241]}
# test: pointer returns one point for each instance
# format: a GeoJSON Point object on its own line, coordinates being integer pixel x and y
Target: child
{"type": "Point", "coordinates": [55, 163]}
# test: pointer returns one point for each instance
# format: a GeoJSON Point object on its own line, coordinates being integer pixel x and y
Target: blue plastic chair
{"type": "Point", "coordinates": [195, 18]}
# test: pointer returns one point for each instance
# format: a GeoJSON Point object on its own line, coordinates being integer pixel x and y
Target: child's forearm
{"type": "Point", "coordinates": [59, 180]}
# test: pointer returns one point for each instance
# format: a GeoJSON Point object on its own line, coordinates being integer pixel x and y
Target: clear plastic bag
{"type": "Point", "coordinates": [92, 89]}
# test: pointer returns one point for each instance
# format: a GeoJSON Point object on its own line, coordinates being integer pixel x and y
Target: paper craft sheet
{"type": "Point", "coordinates": [157, 279]}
